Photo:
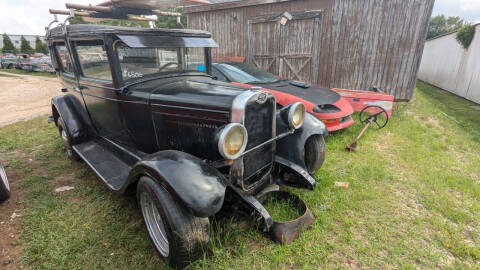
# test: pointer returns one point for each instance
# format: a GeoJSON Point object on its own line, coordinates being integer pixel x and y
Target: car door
{"type": "Point", "coordinates": [66, 69]}
{"type": "Point", "coordinates": [98, 91]}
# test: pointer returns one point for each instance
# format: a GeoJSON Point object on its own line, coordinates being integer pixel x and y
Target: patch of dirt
{"type": "Point", "coordinates": [24, 97]}
{"type": "Point", "coordinates": [11, 212]}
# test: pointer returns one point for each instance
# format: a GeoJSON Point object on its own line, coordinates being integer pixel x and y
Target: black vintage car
{"type": "Point", "coordinates": [142, 110]}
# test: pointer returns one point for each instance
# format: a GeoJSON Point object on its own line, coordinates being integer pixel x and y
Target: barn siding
{"type": "Point", "coordinates": [363, 42]}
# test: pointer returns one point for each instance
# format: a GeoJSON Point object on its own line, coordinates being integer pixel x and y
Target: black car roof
{"type": "Point", "coordinates": [78, 30]}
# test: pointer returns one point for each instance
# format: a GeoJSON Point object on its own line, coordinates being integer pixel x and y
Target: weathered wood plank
{"type": "Point", "coordinates": [361, 42]}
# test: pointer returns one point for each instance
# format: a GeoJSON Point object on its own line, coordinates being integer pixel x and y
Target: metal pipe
{"type": "Point", "coordinates": [88, 7]}
{"type": "Point", "coordinates": [165, 13]}
{"type": "Point", "coordinates": [67, 12]}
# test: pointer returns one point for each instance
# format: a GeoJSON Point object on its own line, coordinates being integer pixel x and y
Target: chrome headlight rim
{"type": "Point", "coordinates": [291, 114]}
{"type": "Point", "coordinates": [222, 140]}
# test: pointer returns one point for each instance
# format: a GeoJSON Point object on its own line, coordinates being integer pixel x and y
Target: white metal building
{"type": "Point", "coordinates": [446, 64]}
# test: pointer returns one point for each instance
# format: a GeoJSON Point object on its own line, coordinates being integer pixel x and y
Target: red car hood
{"type": "Point", "coordinates": [284, 98]}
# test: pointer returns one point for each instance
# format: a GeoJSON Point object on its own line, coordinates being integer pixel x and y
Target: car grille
{"type": "Point", "coordinates": [259, 124]}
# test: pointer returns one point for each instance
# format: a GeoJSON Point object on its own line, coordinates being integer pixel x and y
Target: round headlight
{"type": "Point", "coordinates": [296, 115]}
{"type": "Point", "coordinates": [232, 141]}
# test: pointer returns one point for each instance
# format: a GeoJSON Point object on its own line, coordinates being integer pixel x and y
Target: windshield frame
{"type": "Point", "coordinates": [147, 77]}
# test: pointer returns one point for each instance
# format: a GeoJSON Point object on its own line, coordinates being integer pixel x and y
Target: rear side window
{"type": "Point", "coordinates": [64, 58]}
{"type": "Point", "coordinates": [93, 60]}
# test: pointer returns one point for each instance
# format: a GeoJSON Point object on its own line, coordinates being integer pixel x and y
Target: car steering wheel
{"type": "Point", "coordinates": [374, 114]}
{"type": "Point", "coordinates": [166, 65]}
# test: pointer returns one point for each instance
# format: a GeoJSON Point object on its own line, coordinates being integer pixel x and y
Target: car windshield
{"type": "Point", "coordinates": [140, 62]}
{"type": "Point", "coordinates": [243, 73]}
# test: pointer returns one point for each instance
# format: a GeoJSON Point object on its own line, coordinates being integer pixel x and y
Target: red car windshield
{"type": "Point", "coordinates": [243, 73]}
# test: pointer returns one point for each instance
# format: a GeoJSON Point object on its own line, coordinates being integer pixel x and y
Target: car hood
{"type": "Point", "coordinates": [313, 94]}
{"type": "Point", "coordinates": [192, 91]}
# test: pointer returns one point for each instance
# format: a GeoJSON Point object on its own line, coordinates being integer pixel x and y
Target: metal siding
{"type": "Point", "coordinates": [362, 43]}
{"type": "Point", "coordinates": [446, 64]}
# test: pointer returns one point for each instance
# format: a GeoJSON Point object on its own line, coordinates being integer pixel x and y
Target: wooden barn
{"type": "Point", "coordinates": [352, 44]}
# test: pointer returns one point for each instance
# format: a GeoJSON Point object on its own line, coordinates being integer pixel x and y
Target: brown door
{"type": "Point", "coordinates": [286, 44]}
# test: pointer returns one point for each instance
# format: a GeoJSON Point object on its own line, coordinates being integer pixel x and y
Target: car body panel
{"type": "Point", "coordinates": [361, 99]}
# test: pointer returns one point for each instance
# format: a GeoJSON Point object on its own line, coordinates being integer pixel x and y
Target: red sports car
{"type": "Point", "coordinates": [327, 105]}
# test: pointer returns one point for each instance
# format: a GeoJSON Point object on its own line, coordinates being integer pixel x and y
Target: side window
{"type": "Point", "coordinates": [219, 75]}
{"type": "Point", "coordinates": [93, 60]}
{"type": "Point", "coordinates": [65, 61]}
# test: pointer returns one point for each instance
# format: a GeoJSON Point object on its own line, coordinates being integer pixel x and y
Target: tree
{"type": "Point", "coordinates": [40, 47]}
{"type": "Point", "coordinates": [440, 25]}
{"type": "Point", "coordinates": [25, 46]}
{"type": "Point", "coordinates": [8, 46]}
{"type": "Point", "coordinates": [171, 22]}
{"type": "Point", "coordinates": [465, 35]}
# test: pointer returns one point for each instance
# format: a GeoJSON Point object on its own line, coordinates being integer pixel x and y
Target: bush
{"type": "Point", "coordinates": [465, 35]}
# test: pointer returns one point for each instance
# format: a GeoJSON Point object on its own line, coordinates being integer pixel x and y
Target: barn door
{"type": "Point", "coordinates": [286, 44]}
{"type": "Point", "coordinates": [264, 52]}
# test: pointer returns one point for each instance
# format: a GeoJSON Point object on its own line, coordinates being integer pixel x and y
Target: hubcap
{"type": "Point", "coordinates": [154, 224]}
{"type": "Point", "coordinates": [3, 175]}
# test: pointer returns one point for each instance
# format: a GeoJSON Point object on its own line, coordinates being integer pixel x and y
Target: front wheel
{"type": "Point", "coordinates": [67, 142]}
{"type": "Point", "coordinates": [314, 153]}
{"type": "Point", "coordinates": [4, 186]}
{"type": "Point", "coordinates": [178, 236]}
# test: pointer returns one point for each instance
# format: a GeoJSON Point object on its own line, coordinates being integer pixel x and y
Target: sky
{"type": "Point", "coordinates": [29, 17]}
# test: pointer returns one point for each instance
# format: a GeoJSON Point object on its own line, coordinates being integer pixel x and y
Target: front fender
{"type": "Point", "coordinates": [198, 185]}
{"type": "Point", "coordinates": [74, 115]}
{"type": "Point", "coordinates": [291, 149]}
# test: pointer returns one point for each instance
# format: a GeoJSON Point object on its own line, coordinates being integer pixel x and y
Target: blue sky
{"type": "Point", "coordinates": [31, 16]}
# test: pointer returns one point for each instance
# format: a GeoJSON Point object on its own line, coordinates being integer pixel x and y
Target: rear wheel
{"type": "Point", "coordinates": [314, 153]}
{"type": "Point", "coordinates": [67, 142]}
{"type": "Point", "coordinates": [178, 236]}
{"type": "Point", "coordinates": [4, 186]}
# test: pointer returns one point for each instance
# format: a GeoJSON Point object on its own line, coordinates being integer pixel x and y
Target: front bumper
{"type": "Point", "coordinates": [339, 123]}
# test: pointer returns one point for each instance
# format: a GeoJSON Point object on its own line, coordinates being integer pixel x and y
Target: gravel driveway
{"type": "Point", "coordinates": [24, 97]}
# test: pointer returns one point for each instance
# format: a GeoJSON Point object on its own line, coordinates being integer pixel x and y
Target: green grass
{"type": "Point", "coordinates": [281, 209]}
{"type": "Point", "coordinates": [33, 73]}
{"type": "Point", "coordinates": [413, 202]}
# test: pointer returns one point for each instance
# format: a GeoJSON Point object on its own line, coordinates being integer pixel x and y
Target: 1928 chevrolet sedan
{"type": "Point", "coordinates": [142, 110]}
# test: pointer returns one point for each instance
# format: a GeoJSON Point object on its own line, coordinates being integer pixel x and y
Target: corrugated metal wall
{"type": "Point", "coordinates": [363, 42]}
{"type": "Point", "coordinates": [446, 64]}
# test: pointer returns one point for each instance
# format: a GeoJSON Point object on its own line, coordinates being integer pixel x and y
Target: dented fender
{"type": "Point", "coordinates": [198, 185]}
{"type": "Point", "coordinates": [291, 149]}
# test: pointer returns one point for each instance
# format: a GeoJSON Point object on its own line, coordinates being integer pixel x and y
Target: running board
{"type": "Point", "coordinates": [112, 170]}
